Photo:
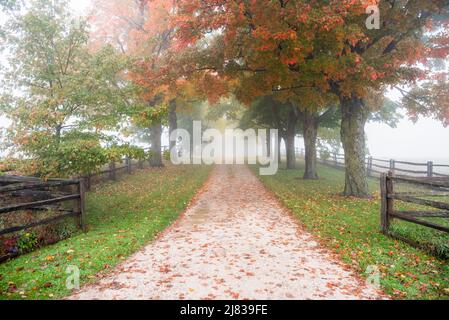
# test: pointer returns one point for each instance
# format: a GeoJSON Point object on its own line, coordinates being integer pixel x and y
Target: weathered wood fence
{"type": "Point", "coordinates": [427, 187]}
{"type": "Point", "coordinates": [20, 194]}
{"type": "Point", "coordinates": [19, 188]}
{"type": "Point", "coordinates": [50, 195]}
{"type": "Point", "coordinates": [375, 166]}
{"type": "Point", "coordinates": [406, 184]}
{"type": "Point", "coordinates": [113, 169]}
{"type": "Point", "coordinates": [30, 187]}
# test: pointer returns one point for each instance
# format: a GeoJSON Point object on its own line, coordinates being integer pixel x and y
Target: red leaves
{"type": "Point", "coordinates": [165, 269]}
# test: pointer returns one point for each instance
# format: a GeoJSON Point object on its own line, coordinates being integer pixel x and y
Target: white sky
{"type": "Point", "coordinates": [425, 140]}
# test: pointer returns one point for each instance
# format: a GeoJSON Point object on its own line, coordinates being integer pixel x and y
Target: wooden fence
{"type": "Point", "coordinates": [15, 191]}
{"type": "Point", "coordinates": [427, 187]}
{"type": "Point", "coordinates": [35, 195]}
{"type": "Point", "coordinates": [375, 166]}
{"type": "Point", "coordinates": [113, 169]}
{"type": "Point", "coordinates": [425, 183]}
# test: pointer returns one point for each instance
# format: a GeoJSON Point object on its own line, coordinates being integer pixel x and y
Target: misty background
{"type": "Point", "coordinates": [426, 140]}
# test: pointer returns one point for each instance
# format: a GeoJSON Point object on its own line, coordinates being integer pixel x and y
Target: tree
{"type": "Point", "coordinates": [285, 46]}
{"type": "Point", "coordinates": [370, 61]}
{"type": "Point", "coordinates": [267, 113]}
{"type": "Point", "coordinates": [57, 93]}
{"type": "Point", "coordinates": [311, 123]}
{"type": "Point", "coordinates": [140, 29]}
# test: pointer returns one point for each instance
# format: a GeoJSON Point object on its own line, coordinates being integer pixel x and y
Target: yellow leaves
{"type": "Point", "coordinates": [50, 258]}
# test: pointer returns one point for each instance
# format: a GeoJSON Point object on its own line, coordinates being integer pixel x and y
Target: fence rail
{"type": "Point", "coordinates": [16, 192]}
{"type": "Point", "coordinates": [428, 169]}
{"type": "Point", "coordinates": [389, 196]}
{"type": "Point", "coordinates": [11, 185]}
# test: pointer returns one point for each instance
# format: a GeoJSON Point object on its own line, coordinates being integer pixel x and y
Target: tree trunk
{"type": "Point", "coordinates": [310, 133]}
{"type": "Point", "coordinates": [268, 141]}
{"type": "Point", "coordinates": [172, 121]}
{"type": "Point", "coordinates": [290, 140]}
{"type": "Point", "coordinates": [354, 117]}
{"type": "Point", "coordinates": [156, 150]}
{"type": "Point", "coordinates": [290, 146]}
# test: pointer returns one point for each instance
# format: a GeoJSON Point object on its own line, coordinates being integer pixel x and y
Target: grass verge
{"type": "Point", "coordinates": [122, 217]}
{"type": "Point", "coordinates": [351, 228]}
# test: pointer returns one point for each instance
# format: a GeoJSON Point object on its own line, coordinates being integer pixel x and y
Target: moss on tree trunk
{"type": "Point", "coordinates": [354, 117]}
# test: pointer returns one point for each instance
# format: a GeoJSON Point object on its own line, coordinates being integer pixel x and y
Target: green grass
{"type": "Point", "coordinates": [122, 217]}
{"type": "Point", "coordinates": [351, 228]}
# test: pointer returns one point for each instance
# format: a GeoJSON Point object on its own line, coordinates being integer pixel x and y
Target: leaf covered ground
{"type": "Point", "coordinates": [122, 217]}
{"type": "Point", "coordinates": [236, 241]}
{"type": "Point", "coordinates": [351, 228]}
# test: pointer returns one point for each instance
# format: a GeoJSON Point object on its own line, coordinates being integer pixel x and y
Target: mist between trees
{"type": "Point", "coordinates": [81, 92]}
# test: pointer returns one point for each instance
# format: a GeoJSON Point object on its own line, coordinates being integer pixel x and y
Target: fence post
{"type": "Point", "coordinates": [384, 221]}
{"type": "Point", "coordinates": [335, 160]}
{"type": "Point", "coordinates": [430, 169]}
{"type": "Point", "coordinates": [81, 204]}
{"type": "Point", "coordinates": [392, 165]}
{"type": "Point", "coordinates": [112, 175]}
{"type": "Point", "coordinates": [88, 181]}
{"type": "Point", "coordinates": [128, 165]}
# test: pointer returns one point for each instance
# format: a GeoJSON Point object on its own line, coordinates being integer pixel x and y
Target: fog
{"type": "Point", "coordinates": [425, 140]}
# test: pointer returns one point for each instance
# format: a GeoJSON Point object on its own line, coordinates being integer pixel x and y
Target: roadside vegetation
{"type": "Point", "coordinates": [121, 216]}
{"type": "Point", "coordinates": [351, 227]}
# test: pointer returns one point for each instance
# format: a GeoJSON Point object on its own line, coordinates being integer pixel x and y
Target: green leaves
{"type": "Point", "coordinates": [59, 94]}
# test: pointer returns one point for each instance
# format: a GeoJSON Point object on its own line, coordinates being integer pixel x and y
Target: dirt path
{"type": "Point", "coordinates": [235, 242]}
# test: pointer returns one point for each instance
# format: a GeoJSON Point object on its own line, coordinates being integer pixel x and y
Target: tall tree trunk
{"type": "Point", "coordinates": [172, 121]}
{"type": "Point", "coordinates": [354, 117]}
{"type": "Point", "coordinates": [310, 133]}
{"type": "Point", "coordinates": [290, 146]}
{"type": "Point", "coordinates": [268, 141]}
{"type": "Point", "coordinates": [290, 140]}
{"type": "Point", "coordinates": [156, 150]}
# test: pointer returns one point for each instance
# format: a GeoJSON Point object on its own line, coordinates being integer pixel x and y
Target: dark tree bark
{"type": "Point", "coordinates": [172, 121]}
{"type": "Point", "coordinates": [156, 150]}
{"type": "Point", "coordinates": [354, 117]}
{"type": "Point", "coordinates": [310, 133]}
{"type": "Point", "coordinates": [290, 148]}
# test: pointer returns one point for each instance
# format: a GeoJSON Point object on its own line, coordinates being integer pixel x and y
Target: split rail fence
{"type": "Point", "coordinates": [422, 194]}
{"type": "Point", "coordinates": [375, 167]}
{"type": "Point", "coordinates": [63, 197]}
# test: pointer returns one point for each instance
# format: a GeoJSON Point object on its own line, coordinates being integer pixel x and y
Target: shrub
{"type": "Point", "coordinates": [26, 242]}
